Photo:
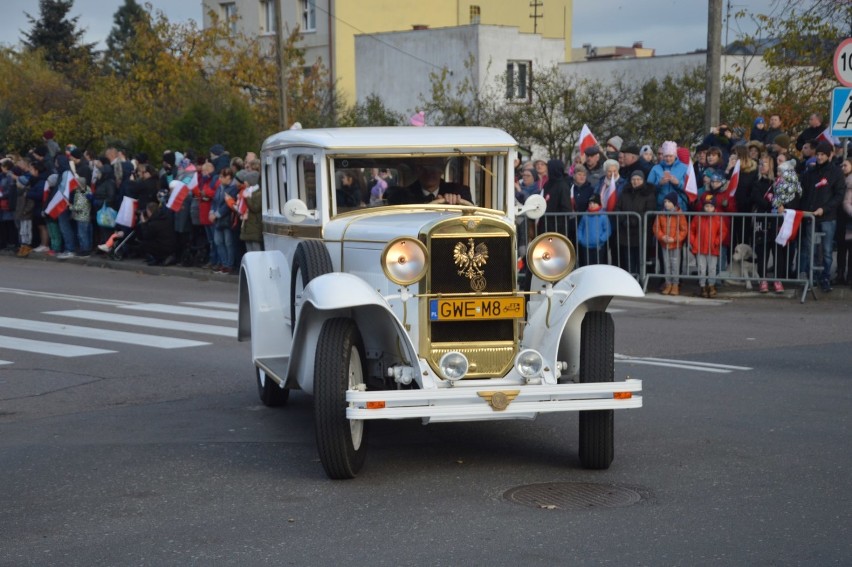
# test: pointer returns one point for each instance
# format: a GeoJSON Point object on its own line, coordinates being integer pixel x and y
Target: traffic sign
{"type": "Point", "coordinates": [843, 62]}
{"type": "Point", "coordinates": [841, 112]}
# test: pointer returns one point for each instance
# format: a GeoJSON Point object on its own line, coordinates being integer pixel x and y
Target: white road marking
{"type": "Point", "coordinates": [73, 331]}
{"type": "Point", "coordinates": [65, 296]}
{"type": "Point", "coordinates": [49, 347]}
{"type": "Point", "coordinates": [2, 362]}
{"type": "Point", "coordinates": [212, 304]}
{"type": "Point", "coordinates": [163, 324]}
{"type": "Point", "coordinates": [178, 310]}
{"type": "Point", "coordinates": [685, 364]}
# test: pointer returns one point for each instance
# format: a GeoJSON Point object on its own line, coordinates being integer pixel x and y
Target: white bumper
{"type": "Point", "coordinates": [474, 403]}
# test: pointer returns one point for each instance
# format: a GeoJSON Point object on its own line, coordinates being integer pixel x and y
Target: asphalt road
{"type": "Point", "coordinates": [159, 452]}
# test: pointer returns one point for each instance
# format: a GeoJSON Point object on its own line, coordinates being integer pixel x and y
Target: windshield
{"type": "Point", "coordinates": [360, 181]}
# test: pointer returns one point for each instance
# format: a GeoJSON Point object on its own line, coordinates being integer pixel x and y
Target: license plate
{"type": "Point", "coordinates": [476, 308]}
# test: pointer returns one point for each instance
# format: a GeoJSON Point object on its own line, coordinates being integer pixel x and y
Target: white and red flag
{"type": "Point", "coordinates": [192, 183]}
{"type": "Point", "coordinates": [689, 184]}
{"type": "Point", "coordinates": [826, 136]}
{"type": "Point", "coordinates": [790, 227]}
{"type": "Point", "coordinates": [734, 181]}
{"type": "Point", "coordinates": [127, 212]}
{"type": "Point", "coordinates": [587, 139]}
{"type": "Point", "coordinates": [609, 195]}
{"type": "Point", "coordinates": [179, 191]}
{"type": "Point", "coordinates": [58, 205]}
{"type": "Point", "coordinates": [69, 184]}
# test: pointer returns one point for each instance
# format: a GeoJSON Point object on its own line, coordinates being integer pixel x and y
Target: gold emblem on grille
{"type": "Point", "coordinates": [499, 400]}
{"type": "Point", "coordinates": [470, 258]}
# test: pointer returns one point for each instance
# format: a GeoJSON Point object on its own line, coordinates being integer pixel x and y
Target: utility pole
{"type": "Point", "coordinates": [712, 93]}
{"type": "Point", "coordinates": [535, 5]}
{"type": "Point", "coordinates": [282, 71]}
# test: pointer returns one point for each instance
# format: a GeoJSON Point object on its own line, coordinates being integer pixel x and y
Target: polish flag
{"type": "Point", "coordinates": [69, 184]}
{"type": "Point", "coordinates": [127, 212]}
{"type": "Point", "coordinates": [193, 181]}
{"type": "Point", "coordinates": [609, 195]}
{"type": "Point", "coordinates": [242, 202]}
{"type": "Point", "coordinates": [689, 184]}
{"type": "Point", "coordinates": [790, 227]}
{"type": "Point", "coordinates": [826, 136]}
{"type": "Point", "coordinates": [587, 139]}
{"type": "Point", "coordinates": [734, 181]}
{"type": "Point", "coordinates": [57, 205]}
{"type": "Point", "coordinates": [179, 191]}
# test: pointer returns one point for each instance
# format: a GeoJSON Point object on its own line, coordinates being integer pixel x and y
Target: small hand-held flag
{"type": "Point", "coordinates": [127, 212]}
{"type": "Point", "coordinates": [689, 184]}
{"type": "Point", "coordinates": [177, 195]}
{"type": "Point", "coordinates": [587, 139]}
{"type": "Point", "coordinates": [734, 181]}
{"type": "Point", "coordinates": [609, 195]}
{"type": "Point", "coordinates": [790, 227]}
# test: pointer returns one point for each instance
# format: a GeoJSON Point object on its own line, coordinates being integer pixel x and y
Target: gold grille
{"type": "Point", "coordinates": [486, 360]}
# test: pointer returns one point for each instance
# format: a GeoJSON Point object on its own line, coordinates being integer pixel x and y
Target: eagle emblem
{"type": "Point", "coordinates": [470, 260]}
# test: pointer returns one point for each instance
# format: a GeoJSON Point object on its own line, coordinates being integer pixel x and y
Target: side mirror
{"type": "Point", "coordinates": [534, 207]}
{"type": "Point", "coordinates": [296, 211]}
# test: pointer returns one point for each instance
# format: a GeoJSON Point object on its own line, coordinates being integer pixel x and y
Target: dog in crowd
{"type": "Point", "coordinates": [743, 264]}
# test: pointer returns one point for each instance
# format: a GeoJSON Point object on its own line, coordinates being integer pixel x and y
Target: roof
{"type": "Point", "coordinates": [393, 137]}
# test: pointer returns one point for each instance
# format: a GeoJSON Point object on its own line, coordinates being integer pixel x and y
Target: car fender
{"type": "Point", "coordinates": [346, 295]}
{"type": "Point", "coordinates": [553, 324]}
{"type": "Point", "coordinates": [264, 303]}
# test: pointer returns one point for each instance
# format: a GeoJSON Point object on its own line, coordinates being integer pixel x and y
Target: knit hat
{"type": "Point", "coordinates": [789, 165]}
{"type": "Point", "coordinates": [579, 168]}
{"type": "Point", "coordinates": [48, 134]}
{"type": "Point", "coordinates": [615, 142]}
{"type": "Point", "coordinates": [630, 149]}
{"type": "Point", "coordinates": [708, 199]}
{"type": "Point", "coordinates": [683, 155]}
{"type": "Point", "coordinates": [217, 149]}
{"type": "Point", "coordinates": [52, 179]}
{"type": "Point", "coordinates": [715, 175]}
{"type": "Point", "coordinates": [592, 150]}
{"type": "Point", "coordinates": [595, 198]}
{"type": "Point", "coordinates": [81, 181]}
{"type": "Point", "coordinates": [759, 120]}
{"type": "Point", "coordinates": [669, 148]}
{"type": "Point", "coordinates": [638, 173]}
{"type": "Point", "coordinates": [646, 148]}
{"type": "Point", "coordinates": [671, 197]}
{"type": "Point", "coordinates": [822, 148]}
{"type": "Point", "coordinates": [782, 140]}
{"type": "Point", "coordinates": [169, 157]}
{"type": "Point", "coordinates": [77, 153]}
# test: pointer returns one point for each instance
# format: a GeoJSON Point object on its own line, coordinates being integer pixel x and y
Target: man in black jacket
{"type": "Point", "coordinates": [155, 232]}
{"type": "Point", "coordinates": [823, 188]}
{"type": "Point", "coordinates": [812, 132]}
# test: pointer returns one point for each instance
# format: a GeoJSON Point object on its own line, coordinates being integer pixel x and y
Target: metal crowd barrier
{"type": "Point", "coordinates": [633, 247]}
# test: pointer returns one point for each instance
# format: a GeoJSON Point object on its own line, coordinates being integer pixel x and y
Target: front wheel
{"type": "Point", "coordinates": [597, 364]}
{"type": "Point", "coordinates": [271, 394]}
{"type": "Point", "coordinates": [338, 366]}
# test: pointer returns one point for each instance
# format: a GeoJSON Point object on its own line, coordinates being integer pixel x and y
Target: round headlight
{"type": "Point", "coordinates": [404, 260]}
{"type": "Point", "coordinates": [529, 363]}
{"type": "Point", "coordinates": [551, 256]}
{"type": "Point", "coordinates": [453, 365]}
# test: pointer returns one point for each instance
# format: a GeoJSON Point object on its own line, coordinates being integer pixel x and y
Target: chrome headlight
{"type": "Point", "coordinates": [529, 363]}
{"type": "Point", "coordinates": [551, 256]}
{"type": "Point", "coordinates": [454, 366]}
{"type": "Point", "coordinates": [404, 260]}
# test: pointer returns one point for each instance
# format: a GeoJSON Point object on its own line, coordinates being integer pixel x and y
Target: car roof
{"type": "Point", "coordinates": [384, 138]}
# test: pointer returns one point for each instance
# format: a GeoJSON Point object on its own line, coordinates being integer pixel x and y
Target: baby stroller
{"type": "Point", "coordinates": [121, 250]}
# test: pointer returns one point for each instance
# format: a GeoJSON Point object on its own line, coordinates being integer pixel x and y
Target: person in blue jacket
{"type": "Point", "coordinates": [668, 176]}
{"type": "Point", "coordinates": [593, 233]}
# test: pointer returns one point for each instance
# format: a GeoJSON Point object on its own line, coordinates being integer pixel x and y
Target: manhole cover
{"type": "Point", "coordinates": [572, 496]}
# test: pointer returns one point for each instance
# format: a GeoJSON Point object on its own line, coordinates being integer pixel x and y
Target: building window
{"type": "Point", "coordinates": [518, 79]}
{"type": "Point", "coordinates": [474, 14]}
{"type": "Point", "coordinates": [309, 15]}
{"type": "Point", "coordinates": [267, 14]}
{"type": "Point", "coordinates": [229, 15]}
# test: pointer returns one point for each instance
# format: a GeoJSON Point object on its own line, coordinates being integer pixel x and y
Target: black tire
{"type": "Point", "coordinates": [597, 364]}
{"type": "Point", "coordinates": [338, 366]}
{"type": "Point", "coordinates": [270, 393]}
{"type": "Point", "coordinates": [311, 260]}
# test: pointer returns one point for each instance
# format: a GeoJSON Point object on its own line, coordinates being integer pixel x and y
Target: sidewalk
{"type": "Point", "coordinates": [726, 292]}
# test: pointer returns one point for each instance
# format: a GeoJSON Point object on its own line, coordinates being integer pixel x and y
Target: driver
{"type": "Point", "coordinates": [431, 187]}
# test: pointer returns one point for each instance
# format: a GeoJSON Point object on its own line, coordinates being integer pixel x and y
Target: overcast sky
{"type": "Point", "coordinates": [669, 26]}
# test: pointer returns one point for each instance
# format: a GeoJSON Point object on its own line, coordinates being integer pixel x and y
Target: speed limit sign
{"type": "Point", "coordinates": [843, 63]}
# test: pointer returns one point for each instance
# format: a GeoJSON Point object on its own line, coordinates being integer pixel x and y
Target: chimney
{"type": "Point", "coordinates": [418, 27]}
{"type": "Point", "coordinates": [637, 45]}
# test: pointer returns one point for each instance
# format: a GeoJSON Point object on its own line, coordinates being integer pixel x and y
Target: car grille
{"type": "Point", "coordinates": [490, 345]}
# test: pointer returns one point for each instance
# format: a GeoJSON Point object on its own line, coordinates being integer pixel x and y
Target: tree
{"type": "Point", "coordinates": [58, 37]}
{"type": "Point", "coordinates": [371, 112]}
{"type": "Point", "coordinates": [119, 56]}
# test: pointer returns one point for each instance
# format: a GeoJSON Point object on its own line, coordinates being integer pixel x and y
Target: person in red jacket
{"type": "Point", "coordinates": [208, 183]}
{"type": "Point", "coordinates": [706, 235]}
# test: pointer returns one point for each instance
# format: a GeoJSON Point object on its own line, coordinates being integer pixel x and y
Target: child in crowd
{"type": "Point", "coordinates": [706, 234]}
{"type": "Point", "coordinates": [671, 230]}
{"type": "Point", "coordinates": [593, 233]}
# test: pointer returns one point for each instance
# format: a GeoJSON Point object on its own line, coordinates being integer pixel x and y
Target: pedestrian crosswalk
{"type": "Point", "coordinates": [111, 325]}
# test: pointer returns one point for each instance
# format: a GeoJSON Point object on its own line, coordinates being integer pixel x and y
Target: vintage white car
{"type": "Point", "coordinates": [388, 290]}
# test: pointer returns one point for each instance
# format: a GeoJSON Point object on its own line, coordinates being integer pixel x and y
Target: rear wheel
{"type": "Point", "coordinates": [311, 260]}
{"type": "Point", "coordinates": [338, 366]}
{"type": "Point", "coordinates": [270, 393]}
{"type": "Point", "coordinates": [597, 364]}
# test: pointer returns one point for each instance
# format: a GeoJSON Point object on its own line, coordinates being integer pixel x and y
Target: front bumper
{"type": "Point", "coordinates": [477, 403]}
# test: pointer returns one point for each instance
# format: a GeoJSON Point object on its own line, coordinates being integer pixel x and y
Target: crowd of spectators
{"type": "Point", "coordinates": [72, 203]}
{"type": "Point", "coordinates": [766, 170]}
